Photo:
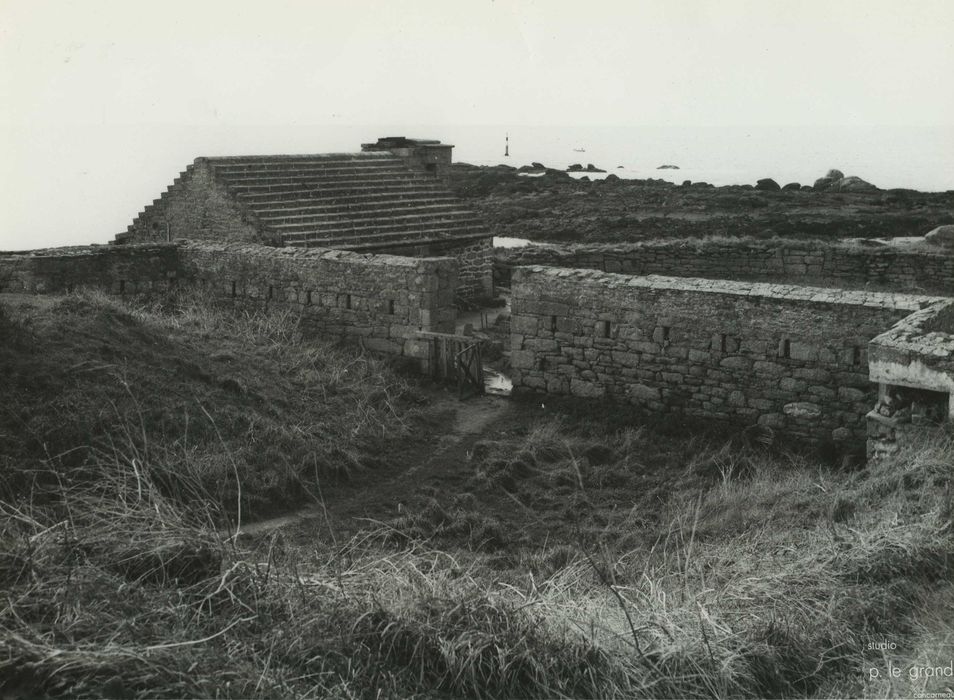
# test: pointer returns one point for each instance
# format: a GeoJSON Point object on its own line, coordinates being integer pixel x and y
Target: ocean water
{"type": "Point", "coordinates": [76, 185]}
{"type": "Point", "coordinates": [889, 157]}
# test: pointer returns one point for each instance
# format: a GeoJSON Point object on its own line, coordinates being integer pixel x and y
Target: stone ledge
{"type": "Point", "coordinates": [764, 290]}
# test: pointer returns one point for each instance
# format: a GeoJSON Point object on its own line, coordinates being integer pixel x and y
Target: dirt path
{"type": "Point", "coordinates": [380, 496]}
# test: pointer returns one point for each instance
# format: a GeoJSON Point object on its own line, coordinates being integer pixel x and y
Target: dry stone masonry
{"type": "Point", "coordinates": [913, 365]}
{"type": "Point", "coordinates": [378, 301]}
{"type": "Point", "coordinates": [914, 265]}
{"type": "Point", "coordinates": [392, 197]}
{"type": "Point", "coordinates": [794, 359]}
{"type": "Point", "coordinates": [131, 269]}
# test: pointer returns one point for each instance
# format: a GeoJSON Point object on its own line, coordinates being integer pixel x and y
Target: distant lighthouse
{"type": "Point", "coordinates": [507, 145]}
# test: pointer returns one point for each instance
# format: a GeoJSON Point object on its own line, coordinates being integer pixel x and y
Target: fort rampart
{"type": "Point", "coordinates": [808, 362]}
{"type": "Point", "coordinates": [128, 270]}
{"type": "Point", "coordinates": [791, 358]}
{"type": "Point", "coordinates": [910, 265]}
{"type": "Point", "coordinates": [379, 301]}
{"type": "Point", "coordinates": [475, 260]}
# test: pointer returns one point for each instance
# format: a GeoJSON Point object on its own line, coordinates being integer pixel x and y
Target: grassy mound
{"type": "Point", "coordinates": [239, 408]}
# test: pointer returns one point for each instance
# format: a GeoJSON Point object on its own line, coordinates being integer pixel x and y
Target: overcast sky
{"type": "Point", "coordinates": [102, 63]}
{"type": "Point", "coordinates": [478, 62]}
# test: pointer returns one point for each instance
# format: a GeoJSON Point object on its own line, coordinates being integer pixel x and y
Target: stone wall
{"type": "Point", "coordinates": [130, 269]}
{"type": "Point", "coordinates": [195, 206]}
{"type": "Point", "coordinates": [475, 260]}
{"type": "Point", "coordinates": [903, 265]}
{"type": "Point", "coordinates": [791, 358]}
{"type": "Point", "coordinates": [380, 301]}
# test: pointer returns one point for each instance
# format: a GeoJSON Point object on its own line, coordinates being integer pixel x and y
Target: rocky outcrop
{"type": "Point", "coordinates": [767, 185]}
{"type": "Point", "coordinates": [668, 167]}
{"type": "Point", "coordinates": [852, 184]}
{"type": "Point", "coordinates": [590, 168]}
{"type": "Point", "coordinates": [545, 208]}
{"type": "Point", "coordinates": [835, 181]}
{"type": "Point", "coordinates": [792, 186]}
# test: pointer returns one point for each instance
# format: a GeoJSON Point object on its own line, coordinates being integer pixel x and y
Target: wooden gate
{"type": "Point", "coordinates": [455, 359]}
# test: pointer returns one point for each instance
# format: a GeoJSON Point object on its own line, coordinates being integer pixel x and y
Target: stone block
{"type": "Point", "coordinates": [522, 359]}
{"type": "Point", "coordinates": [586, 389]}
{"type": "Point", "coordinates": [528, 325]}
{"type": "Point", "coordinates": [812, 374]}
{"type": "Point", "coordinates": [848, 393]}
{"type": "Point", "coordinates": [736, 398]}
{"type": "Point", "coordinates": [736, 362]}
{"type": "Point", "coordinates": [821, 391]}
{"type": "Point", "coordinates": [642, 392]}
{"type": "Point", "coordinates": [698, 356]}
{"type": "Point", "coordinates": [791, 384]}
{"type": "Point", "coordinates": [541, 345]}
{"type": "Point", "coordinates": [803, 351]}
{"type": "Point", "coordinates": [802, 409]}
{"type": "Point", "coordinates": [626, 359]}
{"type": "Point", "coordinates": [764, 367]}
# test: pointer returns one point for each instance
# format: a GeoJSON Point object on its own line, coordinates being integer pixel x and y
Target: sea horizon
{"type": "Point", "coordinates": [83, 184]}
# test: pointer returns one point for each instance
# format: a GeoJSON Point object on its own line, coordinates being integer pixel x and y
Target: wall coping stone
{"type": "Point", "coordinates": [916, 244]}
{"type": "Point", "coordinates": [765, 290]}
{"type": "Point", "coordinates": [92, 249]}
{"type": "Point", "coordinates": [327, 254]}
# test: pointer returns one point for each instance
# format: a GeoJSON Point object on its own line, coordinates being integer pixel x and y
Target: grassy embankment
{"type": "Point", "coordinates": [587, 557]}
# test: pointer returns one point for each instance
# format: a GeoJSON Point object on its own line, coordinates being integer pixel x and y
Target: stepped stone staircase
{"type": "Point", "coordinates": [355, 201]}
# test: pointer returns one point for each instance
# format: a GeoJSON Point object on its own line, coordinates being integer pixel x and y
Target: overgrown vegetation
{"type": "Point", "coordinates": [560, 209]}
{"type": "Point", "coordinates": [572, 554]}
{"type": "Point", "coordinates": [239, 402]}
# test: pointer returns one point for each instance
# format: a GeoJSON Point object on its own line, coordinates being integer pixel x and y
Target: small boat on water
{"type": "Point", "coordinates": [579, 150]}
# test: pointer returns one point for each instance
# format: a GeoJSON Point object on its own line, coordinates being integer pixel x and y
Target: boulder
{"type": "Point", "coordinates": [575, 168]}
{"type": "Point", "coordinates": [942, 235]}
{"type": "Point", "coordinates": [852, 184]}
{"type": "Point", "coordinates": [611, 178]}
{"type": "Point", "coordinates": [823, 183]}
{"type": "Point", "coordinates": [668, 167]}
{"type": "Point", "coordinates": [538, 166]}
{"type": "Point", "coordinates": [792, 186]}
{"type": "Point", "coordinates": [686, 183]}
{"type": "Point", "coordinates": [590, 168]}
{"type": "Point", "coordinates": [767, 185]}
{"type": "Point", "coordinates": [835, 174]}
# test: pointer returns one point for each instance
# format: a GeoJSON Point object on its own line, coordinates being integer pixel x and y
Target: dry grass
{"type": "Point", "coordinates": [591, 557]}
{"type": "Point", "coordinates": [231, 398]}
